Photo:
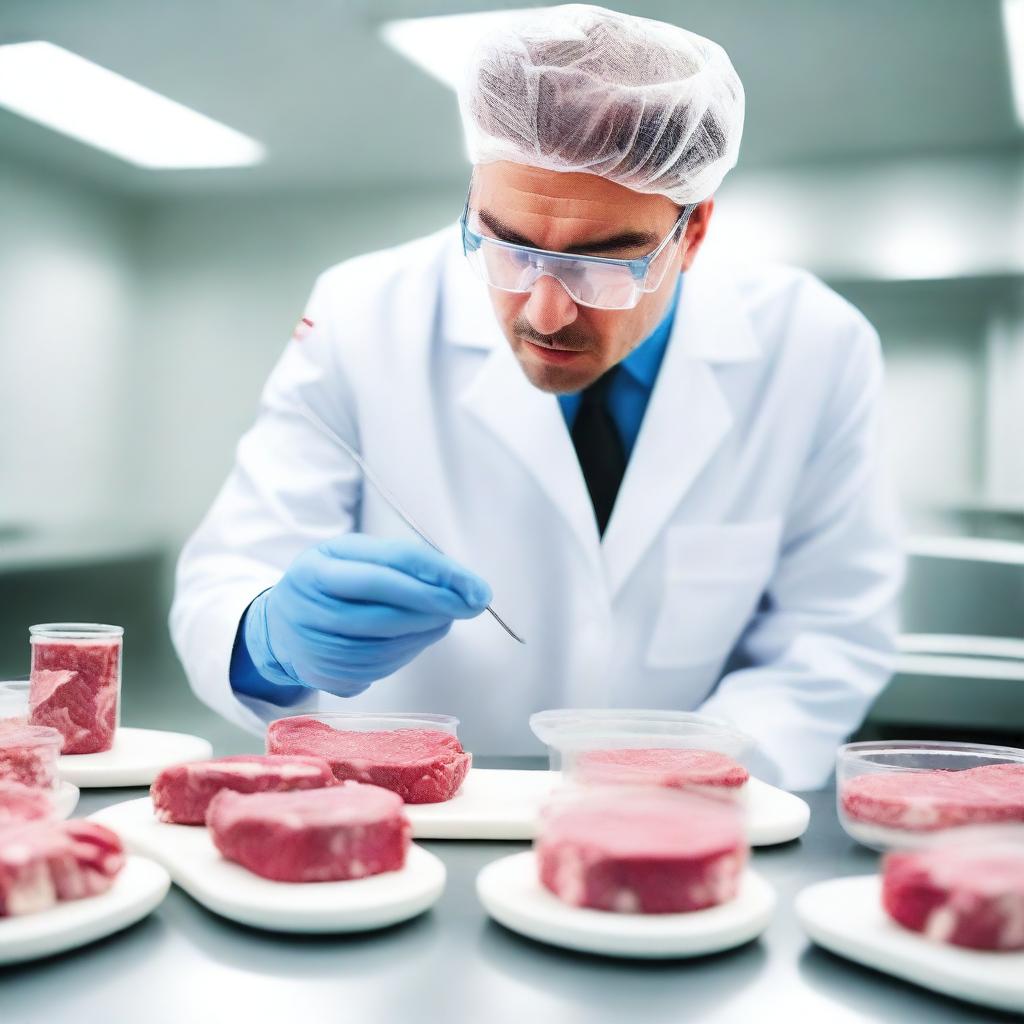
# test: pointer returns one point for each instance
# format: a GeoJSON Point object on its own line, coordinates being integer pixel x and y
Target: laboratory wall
{"type": "Point", "coordinates": [68, 285]}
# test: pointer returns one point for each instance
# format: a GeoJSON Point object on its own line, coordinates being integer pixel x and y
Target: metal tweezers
{"type": "Point", "coordinates": [315, 421]}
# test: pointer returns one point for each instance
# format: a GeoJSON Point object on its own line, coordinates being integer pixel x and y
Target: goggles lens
{"type": "Point", "coordinates": [589, 280]}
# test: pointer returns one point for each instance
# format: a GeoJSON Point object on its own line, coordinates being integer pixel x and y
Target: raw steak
{"type": "Point", "coordinates": [182, 793]}
{"type": "Point", "coordinates": [313, 835]}
{"type": "Point", "coordinates": [923, 801]}
{"type": "Point", "coordinates": [74, 688]}
{"type": "Point", "coordinates": [28, 754]}
{"type": "Point", "coordinates": [23, 803]}
{"type": "Point", "coordinates": [423, 766]}
{"type": "Point", "coordinates": [967, 896]}
{"type": "Point", "coordinates": [626, 854]}
{"type": "Point", "coordinates": [662, 766]}
{"type": "Point", "coordinates": [42, 862]}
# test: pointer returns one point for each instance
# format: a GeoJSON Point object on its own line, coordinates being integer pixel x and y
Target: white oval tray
{"type": "Point", "coordinates": [228, 889]}
{"type": "Point", "coordinates": [496, 803]}
{"type": "Point", "coordinates": [137, 890]}
{"type": "Point", "coordinates": [513, 896]}
{"type": "Point", "coordinates": [136, 758]}
{"type": "Point", "coordinates": [845, 916]}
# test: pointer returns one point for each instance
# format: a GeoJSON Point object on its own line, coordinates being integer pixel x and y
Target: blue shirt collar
{"type": "Point", "coordinates": [643, 363]}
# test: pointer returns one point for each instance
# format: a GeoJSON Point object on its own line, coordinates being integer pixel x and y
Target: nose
{"type": "Point", "coordinates": [550, 307]}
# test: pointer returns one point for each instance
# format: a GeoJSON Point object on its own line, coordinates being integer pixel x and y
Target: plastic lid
{"type": "Point", "coordinates": [921, 756]}
{"type": "Point", "coordinates": [624, 734]}
{"type": "Point", "coordinates": [544, 723]}
{"type": "Point", "coordinates": [74, 631]}
{"type": "Point", "coordinates": [367, 721]}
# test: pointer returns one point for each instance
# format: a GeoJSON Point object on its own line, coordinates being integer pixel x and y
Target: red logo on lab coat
{"type": "Point", "coordinates": [302, 328]}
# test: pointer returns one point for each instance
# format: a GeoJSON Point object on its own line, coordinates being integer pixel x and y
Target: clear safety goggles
{"type": "Point", "coordinates": [590, 280]}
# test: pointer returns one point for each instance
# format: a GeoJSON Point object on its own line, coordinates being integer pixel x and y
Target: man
{"type": "Point", "coordinates": [664, 472]}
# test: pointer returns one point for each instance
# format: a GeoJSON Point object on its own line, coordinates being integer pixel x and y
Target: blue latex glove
{"type": "Point", "coordinates": [350, 611]}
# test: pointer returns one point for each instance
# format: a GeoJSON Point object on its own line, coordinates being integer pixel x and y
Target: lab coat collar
{"type": "Point", "coordinates": [686, 419]}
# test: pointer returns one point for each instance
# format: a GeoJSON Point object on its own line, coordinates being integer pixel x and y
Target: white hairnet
{"type": "Point", "coordinates": [580, 88]}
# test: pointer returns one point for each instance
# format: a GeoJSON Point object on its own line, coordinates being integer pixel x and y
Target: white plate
{"type": "Point", "coordinates": [188, 853]}
{"type": "Point", "coordinates": [136, 758]}
{"type": "Point", "coordinates": [513, 896]}
{"type": "Point", "coordinates": [845, 916]}
{"type": "Point", "coordinates": [65, 799]}
{"type": "Point", "coordinates": [504, 804]}
{"type": "Point", "coordinates": [773, 815]}
{"type": "Point", "coordinates": [139, 888]}
{"type": "Point", "coordinates": [493, 803]}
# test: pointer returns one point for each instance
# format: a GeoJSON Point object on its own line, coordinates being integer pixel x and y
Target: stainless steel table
{"type": "Point", "coordinates": [185, 965]}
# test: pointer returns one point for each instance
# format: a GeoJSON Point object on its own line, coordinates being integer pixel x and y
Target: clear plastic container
{"type": "Point", "coordinates": [639, 850]}
{"type": "Point", "coordinates": [79, 664]}
{"type": "Point", "coordinates": [593, 748]}
{"type": "Point", "coordinates": [28, 755]}
{"type": "Point", "coordinates": [14, 701]}
{"type": "Point", "coordinates": [424, 768]}
{"type": "Point", "coordinates": [894, 794]}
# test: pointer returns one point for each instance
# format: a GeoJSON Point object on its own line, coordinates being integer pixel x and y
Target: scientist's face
{"type": "Point", "coordinates": [563, 346]}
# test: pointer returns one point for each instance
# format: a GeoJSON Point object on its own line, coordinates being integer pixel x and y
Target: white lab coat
{"type": "Point", "coordinates": [750, 567]}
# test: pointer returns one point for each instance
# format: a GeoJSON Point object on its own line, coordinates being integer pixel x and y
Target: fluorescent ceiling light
{"type": "Point", "coordinates": [1013, 26]}
{"type": "Point", "coordinates": [70, 94]}
{"type": "Point", "coordinates": [442, 45]}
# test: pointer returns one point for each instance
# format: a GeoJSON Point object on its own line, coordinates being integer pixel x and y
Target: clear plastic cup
{"type": "Point", "coordinates": [895, 794]}
{"type": "Point", "coordinates": [640, 850]}
{"type": "Point", "coordinates": [672, 749]}
{"type": "Point", "coordinates": [28, 755]}
{"type": "Point", "coordinates": [77, 664]}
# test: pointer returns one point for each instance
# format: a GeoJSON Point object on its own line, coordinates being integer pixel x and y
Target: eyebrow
{"type": "Point", "coordinates": [623, 240]}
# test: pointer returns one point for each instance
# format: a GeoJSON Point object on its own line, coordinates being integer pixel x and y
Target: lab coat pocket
{"type": "Point", "coordinates": [714, 577]}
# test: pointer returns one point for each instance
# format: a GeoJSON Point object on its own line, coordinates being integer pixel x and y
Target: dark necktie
{"type": "Point", "coordinates": [599, 448]}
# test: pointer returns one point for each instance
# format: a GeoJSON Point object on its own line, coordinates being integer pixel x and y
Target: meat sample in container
{"type": "Point", "coordinates": [28, 754]}
{"type": "Point", "coordinates": [963, 895]}
{"type": "Point", "coordinates": [637, 852]}
{"type": "Point", "coordinates": [314, 835]}
{"type": "Point", "coordinates": [919, 801]}
{"type": "Point", "coordinates": [23, 803]}
{"type": "Point", "coordinates": [44, 862]}
{"type": "Point", "coordinates": [75, 684]}
{"type": "Point", "coordinates": [676, 768]}
{"type": "Point", "coordinates": [423, 766]}
{"type": "Point", "coordinates": [182, 793]}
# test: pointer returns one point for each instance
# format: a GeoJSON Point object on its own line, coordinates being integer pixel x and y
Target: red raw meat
{"type": "Point", "coordinates": [74, 687]}
{"type": "Point", "coordinates": [313, 835]}
{"type": "Point", "coordinates": [967, 896]}
{"type": "Point", "coordinates": [182, 793]}
{"type": "Point", "coordinates": [924, 801]}
{"type": "Point", "coordinates": [675, 768]}
{"type": "Point", "coordinates": [423, 766]}
{"type": "Point", "coordinates": [42, 862]}
{"type": "Point", "coordinates": [629, 855]}
{"type": "Point", "coordinates": [28, 754]}
{"type": "Point", "coordinates": [23, 803]}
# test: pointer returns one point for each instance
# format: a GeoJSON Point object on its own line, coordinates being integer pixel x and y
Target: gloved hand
{"type": "Point", "coordinates": [356, 608]}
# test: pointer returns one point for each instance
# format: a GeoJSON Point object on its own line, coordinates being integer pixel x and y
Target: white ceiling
{"type": "Point", "coordinates": [336, 107]}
